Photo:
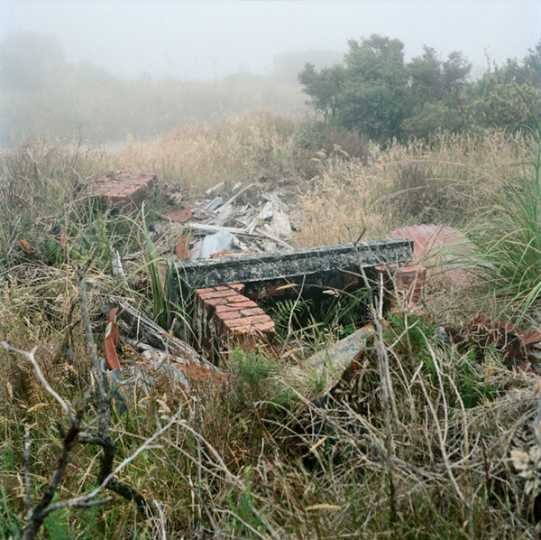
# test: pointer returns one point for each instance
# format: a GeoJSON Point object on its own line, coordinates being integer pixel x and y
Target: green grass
{"type": "Point", "coordinates": [508, 240]}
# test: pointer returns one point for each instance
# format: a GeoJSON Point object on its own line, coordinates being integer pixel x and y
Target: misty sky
{"type": "Point", "coordinates": [208, 39]}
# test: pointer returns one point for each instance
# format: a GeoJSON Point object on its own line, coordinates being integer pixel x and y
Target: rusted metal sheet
{"type": "Point", "coordinates": [429, 238]}
{"type": "Point", "coordinates": [293, 265]}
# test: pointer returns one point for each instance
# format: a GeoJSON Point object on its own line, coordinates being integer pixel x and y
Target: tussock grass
{"type": "Point", "coordinates": [508, 240]}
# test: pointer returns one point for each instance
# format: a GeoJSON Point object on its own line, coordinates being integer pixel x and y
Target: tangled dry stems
{"type": "Point", "coordinates": [235, 462]}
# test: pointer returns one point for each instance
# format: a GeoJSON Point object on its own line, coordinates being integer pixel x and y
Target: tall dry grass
{"type": "Point", "coordinates": [241, 463]}
{"type": "Point", "coordinates": [447, 180]}
{"type": "Point", "coordinates": [200, 155]}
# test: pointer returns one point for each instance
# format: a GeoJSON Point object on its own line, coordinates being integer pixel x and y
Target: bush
{"type": "Point", "coordinates": [419, 196]}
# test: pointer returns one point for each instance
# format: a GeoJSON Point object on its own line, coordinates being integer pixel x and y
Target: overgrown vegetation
{"type": "Point", "coordinates": [422, 451]}
{"type": "Point", "coordinates": [509, 242]}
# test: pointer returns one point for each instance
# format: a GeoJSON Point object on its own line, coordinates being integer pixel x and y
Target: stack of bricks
{"type": "Point", "coordinates": [225, 317]}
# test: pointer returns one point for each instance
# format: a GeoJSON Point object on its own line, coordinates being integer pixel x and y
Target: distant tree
{"type": "Point", "coordinates": [367, 92]}
{"type": "Point", "coordinates": [374, 99]}
{"type": "Point", "coordinates": [436, 93]}
{"type": "Point", "coordinates": [377, 93]}
{"type": "Point", "coordinates": [507, 105]}
{"type": "Point", "coordinates": [533, 64]}
{"type": "Point", "coordinates": [324, 87]}
{"type": "Point", "coordinates": [509, 95]}
{"type": "Point", "coordinates": [425, 72]}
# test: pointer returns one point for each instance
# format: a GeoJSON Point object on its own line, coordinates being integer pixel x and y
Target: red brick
{"type": "Point", "coordinates": [217, 294]}
{"type": "Point", "coordinates": [242, 305]}
{"type": "Point", "coordinates": [234, 315]}
{"type": "Point", "coordinates": [229, 316]}
{"type": "Point", "coordinates": [251, 330]}
{"type": "Point", "coordinates": [123, 187]}
{"type": "Point", "coordinates": [227, 309]}
{"type": "Point", "coordinates": [235, 321]}
{"type": "Point", "coordinates": [238, 287]}
{"type": "Point", "coordinates": [246, 302]}
{"type": "Point", "coordinates": [265, 327]}
{"type": "Point", "coordinates": [214, 302]}
{"type": "Point", "coordinates": [203, 291]}
{"type": "Point", "coordinates": [252, 311]}
{"type": "Point", "coordinates": [245, 321]}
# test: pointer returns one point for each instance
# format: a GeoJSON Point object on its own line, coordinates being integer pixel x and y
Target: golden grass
{"type": "Point", "coordinates": [197, 156]}
{"type": "Point", "coordinates": [454, 177]}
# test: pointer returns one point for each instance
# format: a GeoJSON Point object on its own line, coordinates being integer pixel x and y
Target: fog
{"type": "Point", "coordinates": [103, 71]}
{"type": "Point", "coordinates": [207, 39]}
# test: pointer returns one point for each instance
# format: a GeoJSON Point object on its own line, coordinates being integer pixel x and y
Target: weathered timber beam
{"type": "Point", "coordinates": [295, 264]}
{"type": "Point", "coordinates": [326, 366]}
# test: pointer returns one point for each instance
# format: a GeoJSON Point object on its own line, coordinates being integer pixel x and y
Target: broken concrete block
{"type": "Point", "coordinates": [325, 368]}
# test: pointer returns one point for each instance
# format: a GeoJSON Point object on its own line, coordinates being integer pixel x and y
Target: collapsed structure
{"type": "Point", "coordinates": [225, 291]}
{"type": "Point", "coordinates": [233, 258]}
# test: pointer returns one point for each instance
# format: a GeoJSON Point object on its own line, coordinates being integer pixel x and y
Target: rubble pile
{"type": "Point", "coordinates": [248, 220]}
{"type": "Point", "coordinates": [235, 238]}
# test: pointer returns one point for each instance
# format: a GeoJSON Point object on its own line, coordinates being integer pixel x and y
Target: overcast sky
{"type": "Point", "coordinates": [211, 38]}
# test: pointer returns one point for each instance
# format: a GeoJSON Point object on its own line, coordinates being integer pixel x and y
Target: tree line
{"type": "Point", "coordinates": [375, 91]}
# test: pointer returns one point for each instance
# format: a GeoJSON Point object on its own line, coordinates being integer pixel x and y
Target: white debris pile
{"type": "Point", "coordinates": [247, 219]}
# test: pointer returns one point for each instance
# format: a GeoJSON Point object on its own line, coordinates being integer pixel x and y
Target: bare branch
{"type": "Point", "coordinates": [39, 512]}
{"type": "Point", "coordinates": [84, 499]}
{"type": "Point", "coordinates": [30, 356]}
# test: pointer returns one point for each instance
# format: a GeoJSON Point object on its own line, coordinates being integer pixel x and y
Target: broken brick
{"type": "Point", "coordinates": [123, 187]}
{"type": "Point", "coordinates": [225, 316]}
{"type": "Point", "coordinates": [252, 311]}
{"type": "Point", "coordinates": [217, 294]}
{"type": "Point", "coordinates": [182, 247]}
{"type": "Point", "coordinates": [179, 215]}
{"type": "Point", "coordinates": [247, 321]}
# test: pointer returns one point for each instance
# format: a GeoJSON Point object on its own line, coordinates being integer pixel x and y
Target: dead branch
{"type": "Point", "coordinates": [39, 512]}
{"type": "Point", "coordinates": [30, 356]}
{"type": "Point", "coordinates": [86, 500]}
